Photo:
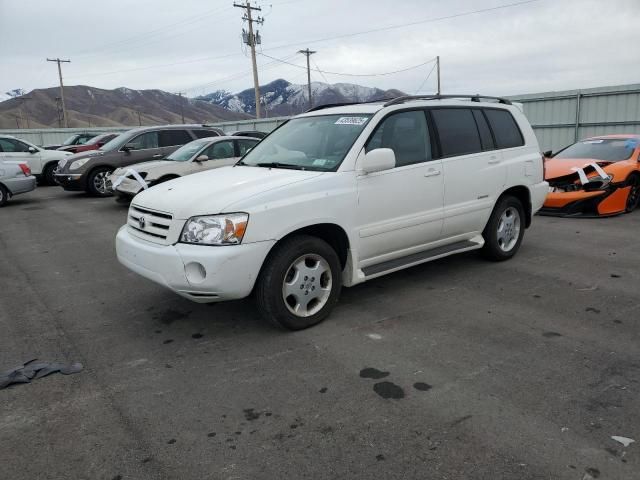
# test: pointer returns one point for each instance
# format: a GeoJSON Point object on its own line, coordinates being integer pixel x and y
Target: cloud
{"type": "Point", "coordinates": [195, 46]}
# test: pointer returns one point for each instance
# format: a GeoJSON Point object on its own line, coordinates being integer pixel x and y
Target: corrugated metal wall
{"type": "Point", "coordinates": [561, 118]}
{"type": "Point", "coordinates": [558, 118]}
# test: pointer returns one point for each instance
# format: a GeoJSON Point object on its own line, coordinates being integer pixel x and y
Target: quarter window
{"type": "Point", "coordinates": [406, 134]}
{"type": "Point", "coordinates": [457, 131]}
{"type": "Point", "coordinates": [504, 128]}
{"type": "Point", "coordinates": [171, 138]}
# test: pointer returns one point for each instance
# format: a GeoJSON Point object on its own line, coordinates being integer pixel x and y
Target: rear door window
{"type": "Point", "coordinates": [172, 138]}
{"type": "Point", "coordinates": [406, 134]}
{"type": "Point", "coordinates": [457, 131]}
{"type": "Point", "coordinates": [13, 146]}
{"type": "Point", "coordinates": [483, 129]}
{"type": "Point", "coordinates": [505, 129]}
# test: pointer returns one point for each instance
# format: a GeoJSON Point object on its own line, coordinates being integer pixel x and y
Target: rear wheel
{"type": "Point", "coordinates": [634, 194]}
{"type": "Point", "coordinates": [97, 183]}
{"type": "Point", "coordinates": [49, 173]}
{"type": "Point", "coordinates": [300, 283]}
{"type": "Point", "coordinates": [4, 195]}
{"type": "Point", "coordinates": [505, 229]}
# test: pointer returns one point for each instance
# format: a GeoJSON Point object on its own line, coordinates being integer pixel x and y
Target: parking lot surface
{"type": "Point", "coordinates": [457, 369]}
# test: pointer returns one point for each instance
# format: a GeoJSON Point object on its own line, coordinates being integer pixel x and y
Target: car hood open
{"type": "Point", "coordinates": [213, 191]}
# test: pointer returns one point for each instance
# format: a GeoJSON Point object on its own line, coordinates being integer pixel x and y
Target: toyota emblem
{"type": "Point", "coordinates": [142, 222]}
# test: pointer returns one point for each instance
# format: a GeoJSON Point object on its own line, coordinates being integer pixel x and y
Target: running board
{"type": "Point", "coordinates": [421, 257]}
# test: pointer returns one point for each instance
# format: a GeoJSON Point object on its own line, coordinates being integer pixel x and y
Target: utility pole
{"type": "Point", "coordinates": [139, 119]}
{"type": "Point", "coordinates": [181, 105]}
{"type": "Point", "coordinates": [438, 71]}
{"type": "Point", "coordinates": [308, 53]}
{"type": "Point", "coordinates": [252, 40]}
{"type": "Point", "coordinates": [24, 111]}
{"type": "Point", "coordinates": [59, 112]}
{"type": "Point", "coordinates": [64, 107]}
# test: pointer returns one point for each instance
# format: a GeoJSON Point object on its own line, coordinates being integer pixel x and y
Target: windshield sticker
{"type": "Point", "coordinates": [319, 162]}
{"type": "Point", "coordinates": [351, 121]}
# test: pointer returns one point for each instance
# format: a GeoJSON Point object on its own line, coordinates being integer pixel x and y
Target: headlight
{"type": "Point", "coordinates": [78, 163]}
{"type": "Point", "coordinates": [215, 229]}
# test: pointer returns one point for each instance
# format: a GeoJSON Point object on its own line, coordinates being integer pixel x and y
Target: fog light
{"type": "Point", "coordinates": [196, 273]}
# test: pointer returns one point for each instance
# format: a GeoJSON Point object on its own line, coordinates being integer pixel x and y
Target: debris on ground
{"type": "Point", "coordinates": [623, 440]}
{"type": "Point", "coordinates": [32, 370]}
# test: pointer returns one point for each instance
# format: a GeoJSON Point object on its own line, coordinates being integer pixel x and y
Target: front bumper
{"type": "Point", "coordinates": [597, 203]}
{"type": "Point", "coordinates": [20, 184]}
{"type": "Point", "coordinates": [127, 188]}
{"type": "Point", "coordinates": [200, 273]}
{"type": "Point", "coordinates": [73, 182]}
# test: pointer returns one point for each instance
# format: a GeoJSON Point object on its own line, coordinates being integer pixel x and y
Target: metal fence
{"type": "Point", "coordinates": [561, 118]}
{"type": "Point", "coordinates": [558, 118]}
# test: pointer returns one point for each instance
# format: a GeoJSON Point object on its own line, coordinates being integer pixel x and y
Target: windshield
{"type": "Point", "coordinates": [186, 152]}
{"type": "Point", "coordinates": [71, 140]}
{"type": "Point", "coordinates": [97, 139]}
{"type": "Point", "coordinates": [605, 149]}
{"type": "Point", "coordinates": [308, 143]}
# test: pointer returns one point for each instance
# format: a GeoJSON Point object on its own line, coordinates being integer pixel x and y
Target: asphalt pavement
{"type": "Point", "coordinates": [456, 369]}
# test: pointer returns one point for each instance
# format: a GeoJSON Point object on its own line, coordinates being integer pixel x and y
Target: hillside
{"type": "Point", "coordinates": [284, 98]}
{"type": "Point", "coordinates": [90, 106]}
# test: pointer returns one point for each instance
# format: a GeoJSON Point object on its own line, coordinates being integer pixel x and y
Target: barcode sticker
{"type": "Point", "coordinates": [351, 121]}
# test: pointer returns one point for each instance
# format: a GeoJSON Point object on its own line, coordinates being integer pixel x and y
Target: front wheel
{"type": "Point", "coordinates": [505, 229]}
{"type": "Point", "coordinates": [49, 174]}
{"type": "Point", "coordinates": [4, 196]}
{"type": "Point", "coordinates": [300, 283]}
{"type": "Point", "coordinates": [97, 183]}
{"type": "Point", "coordinates": [634, 194]}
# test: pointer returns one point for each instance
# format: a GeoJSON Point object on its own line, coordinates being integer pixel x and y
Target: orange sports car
{"type": "Point", "coordinates": [596, 177]}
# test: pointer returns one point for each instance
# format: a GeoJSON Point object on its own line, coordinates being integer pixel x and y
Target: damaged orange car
{"type": "Point", "coordinates": [595, 177]}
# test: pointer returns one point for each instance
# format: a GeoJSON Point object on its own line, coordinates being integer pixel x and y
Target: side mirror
{"type": "Point", "coordinates": [32, 150]}
{"type": "Point", "coordinates": [128, 147]}
{"type": "Point", "coordinates": [202, 158]}
{"type": "Point", "coordinates": [548, 154]}
{"type": "Point", "coordinates": [378, 160]}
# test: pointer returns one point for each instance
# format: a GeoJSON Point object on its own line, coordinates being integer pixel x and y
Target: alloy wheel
{"type": "Point", "coordinates": [307, 284]}
{"type": "Point", "coordinates": [508, 229]}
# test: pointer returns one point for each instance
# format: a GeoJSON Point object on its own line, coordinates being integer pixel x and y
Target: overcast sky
{"type": "Point", "coordinates": [194, 46]}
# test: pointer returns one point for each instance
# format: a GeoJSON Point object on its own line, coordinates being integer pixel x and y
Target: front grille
{"type": "Point", "coordinates": [149, 224]}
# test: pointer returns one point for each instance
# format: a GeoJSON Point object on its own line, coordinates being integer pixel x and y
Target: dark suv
{"type": "Point", "coordinates": [89, 170]}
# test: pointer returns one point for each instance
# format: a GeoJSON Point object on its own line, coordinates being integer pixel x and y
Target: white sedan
{"type": "Point", "coordinates": [198, 156]}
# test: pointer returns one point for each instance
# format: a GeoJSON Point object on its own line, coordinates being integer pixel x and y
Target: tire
{"type": "Point", "coordinates": [283, 288]}
{"type": "Point", "coordinates": [505, 229]}
{"type": "Point", "coordinates": [97, 182]}
{"type": "Point", "coordinates": [4, 195]}
{"type": "Point", "coordinates": [48, 174]}
{"type": "Point", "coordinates": [633, 199]}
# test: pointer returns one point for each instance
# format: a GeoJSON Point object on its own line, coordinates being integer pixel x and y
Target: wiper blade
{"type": "Point", "coordinates": [279, 165]}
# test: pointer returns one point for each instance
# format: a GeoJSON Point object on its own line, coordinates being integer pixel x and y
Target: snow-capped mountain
{"type": "Point", "coordinates": [283, 98]}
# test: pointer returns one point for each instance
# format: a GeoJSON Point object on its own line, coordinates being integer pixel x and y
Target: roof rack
{"type": "Point", "coordinates": [473, 98]}
{"type": "Point", "coordinates": [344, 104]}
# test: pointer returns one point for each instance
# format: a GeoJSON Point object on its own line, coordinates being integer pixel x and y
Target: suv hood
{"type": "Point", "coordinates": [212, 191]}
{"type": "Point", "coordinates": [146, 166]}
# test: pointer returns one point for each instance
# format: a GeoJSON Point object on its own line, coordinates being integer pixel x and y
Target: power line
{"type": "Point", "coordinates": [427, 78]}
{"type": "Point", "coordinates": [354, 74]}
{"type": "Point", "coordinates": [277, 47]}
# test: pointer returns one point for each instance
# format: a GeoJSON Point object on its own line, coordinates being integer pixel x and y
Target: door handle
{"type": "Point", "coordinates": [157, 155]}
{"type": "Point", "coordinates": [432, 172]}
{"type": "Point", "coordinates": [494, 160]}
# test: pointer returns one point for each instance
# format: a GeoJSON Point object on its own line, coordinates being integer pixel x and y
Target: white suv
{"type": "Point", "coordinates": [338, 196]}
{"type": "Point", "coordinates": [43, 163]}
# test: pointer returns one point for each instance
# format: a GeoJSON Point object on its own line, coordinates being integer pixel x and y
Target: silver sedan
{"type": "Point", "coordinates": [15, 178]}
